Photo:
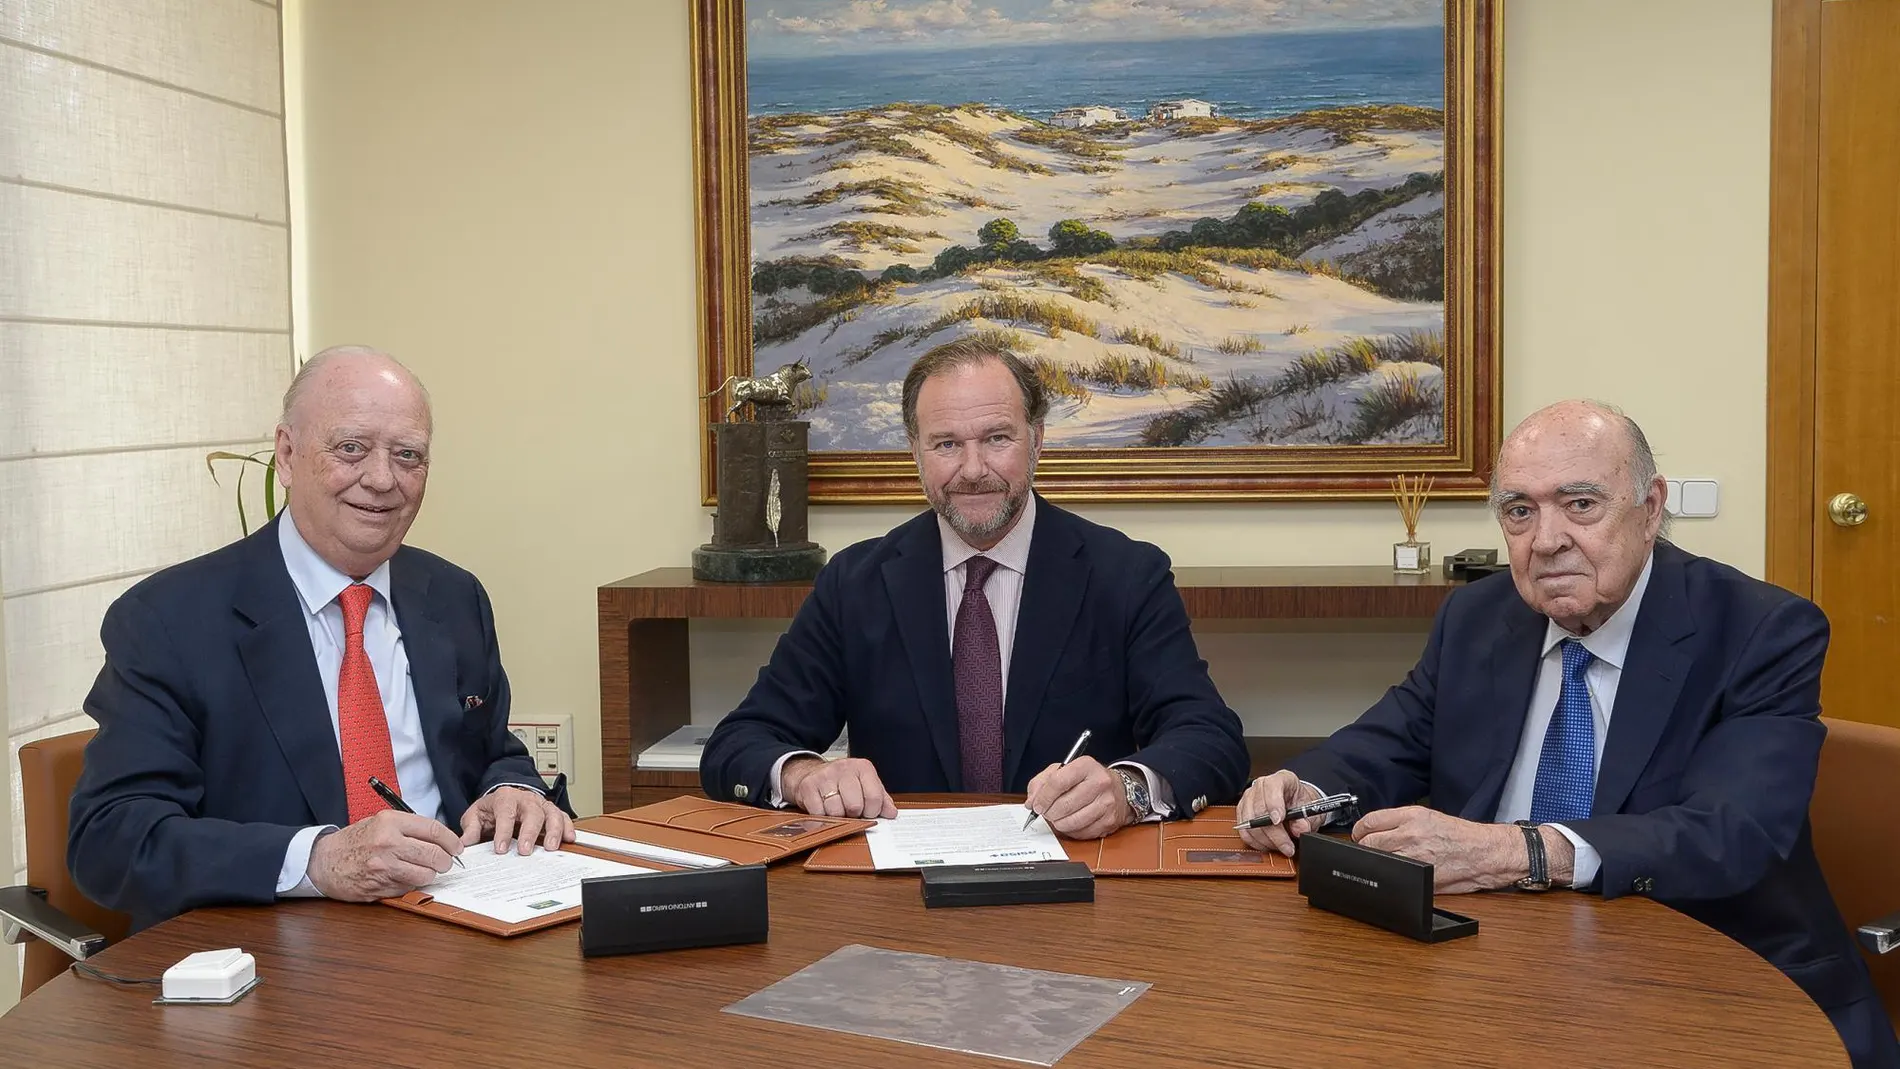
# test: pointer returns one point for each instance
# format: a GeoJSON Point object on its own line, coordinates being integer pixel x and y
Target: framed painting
{"type": "Point", "coordinates": [1251, 251]}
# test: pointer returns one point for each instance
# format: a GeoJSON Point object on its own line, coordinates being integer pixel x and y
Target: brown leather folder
{"type": "Point", "coordinates": [1207, 845]}
{"type": "Point", "coordinates": [742, 834]}
{"type": "Point", "coordinates": [738, 833]}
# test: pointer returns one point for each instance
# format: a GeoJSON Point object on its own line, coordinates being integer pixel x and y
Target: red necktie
{"type": "Point", "coordinates": [362, 728]}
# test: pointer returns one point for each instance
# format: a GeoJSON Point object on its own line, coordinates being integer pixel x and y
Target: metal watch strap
{"type": "Point", "coordinates": [1135, 790]}
{"type": "Point", "coordinates": [1539, 877]}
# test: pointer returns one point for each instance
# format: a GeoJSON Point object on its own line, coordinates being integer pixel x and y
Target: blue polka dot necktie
{"type": "Point", "coordinates": [1566, 769]}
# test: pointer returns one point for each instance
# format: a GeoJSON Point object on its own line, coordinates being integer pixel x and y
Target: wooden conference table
{"type": "Point", "coordinates": [1244, 974]}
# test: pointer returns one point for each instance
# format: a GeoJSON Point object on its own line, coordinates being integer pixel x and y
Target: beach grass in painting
{"type": "Point", "coordinates": [1197, 237]}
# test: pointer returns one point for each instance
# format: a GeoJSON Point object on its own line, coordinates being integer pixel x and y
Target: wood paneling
{"type": "Point", "coordinates": [1857, 353]}
{"type": "Point", "coordinates": [1244, 974]}
{"type": "Point", "coordinates": [1793, 204]}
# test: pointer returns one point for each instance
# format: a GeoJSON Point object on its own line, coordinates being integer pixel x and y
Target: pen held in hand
{"type": "Point", "coordinates": [395, 802]}
{"type": "Point", "coordinates": [1074, 752]}
{"type": "Point", "coordinates": [1311, 809]}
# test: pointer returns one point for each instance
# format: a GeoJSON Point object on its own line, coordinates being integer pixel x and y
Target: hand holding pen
{"type": "Point", "coordinates": [395, 802]}
{"type": "Point", "coordinates": [1072, 788]}
{"type": "Point", "coordinates": [1271, 815]}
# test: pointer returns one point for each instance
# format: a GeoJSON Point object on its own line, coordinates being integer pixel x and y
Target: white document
{"type": "Point", "coordinates": [513, 888]}
{"type": "Point", "coordinates": [647, 850]}
{"type": "Point", "coordinates": [972, 835]}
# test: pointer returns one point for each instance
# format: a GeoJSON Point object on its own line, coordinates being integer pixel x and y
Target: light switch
{"type": "Point", "coordinates": [1673, 503]}
{"type": "Point", "coordinates": [1700, 497]}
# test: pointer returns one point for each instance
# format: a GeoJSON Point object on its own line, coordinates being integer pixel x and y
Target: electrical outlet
{"type": "Point", "coordinates": [550, 742]}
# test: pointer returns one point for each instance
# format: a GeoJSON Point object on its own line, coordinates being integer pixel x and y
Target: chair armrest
{"type": "Point", "coordinates": [1882, 935]}
{"type": "Point", "coordinates": [25, 913]}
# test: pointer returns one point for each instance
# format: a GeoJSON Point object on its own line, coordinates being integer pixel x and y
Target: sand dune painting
{"type": "Point", "coordinates": [1217, 229]}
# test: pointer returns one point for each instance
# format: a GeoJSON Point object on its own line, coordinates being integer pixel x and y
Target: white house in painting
{"type": "Point", "coordinates": [1170, 110]}
{"type": "Point", "coordinates": [1076, 118]}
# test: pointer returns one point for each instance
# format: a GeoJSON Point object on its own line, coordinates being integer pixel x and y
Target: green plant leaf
{"type": "Point", "coordinates": [270, 486]}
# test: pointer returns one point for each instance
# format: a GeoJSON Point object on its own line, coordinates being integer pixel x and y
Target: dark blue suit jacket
{"type": "Point", "coordinates": [215, 743]}
{"type": "Point", "coordinates": [1102, 643]}
{"type": "Point", "coordinates": [1702, 795]}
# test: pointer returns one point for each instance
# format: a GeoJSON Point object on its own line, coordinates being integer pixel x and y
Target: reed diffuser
{"type": "Point", "coordinates": [1411, 556]}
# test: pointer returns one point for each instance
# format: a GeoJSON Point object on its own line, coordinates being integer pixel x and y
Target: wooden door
{"type": "Point", "coordinates": [1835, 337]}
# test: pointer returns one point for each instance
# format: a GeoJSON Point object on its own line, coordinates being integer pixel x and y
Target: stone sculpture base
{"type": "Point", "coordinates": [758, 564]}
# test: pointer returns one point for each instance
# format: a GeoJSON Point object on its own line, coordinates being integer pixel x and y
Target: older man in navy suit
{"type": "Point", "coordinates": [1619, 716]}
{"type": "Point", "coordinates": [249, 696]}
{"type": "Point", "coordinates": [968, 649]}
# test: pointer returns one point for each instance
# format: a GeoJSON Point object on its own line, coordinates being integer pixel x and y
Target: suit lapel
{"type": "Point", "coordinates": [282, 670]}
{"type": "Point", "coordinates": [431, 671]}
{"type": "Point", "coordinates": [1511, 665]}
{"type": "Point", "coordinates": [914, 580]}
{"type": "Point", "coordinates": [1653, 674]}
{"type": "Point", "coordinates": [1053, 586]}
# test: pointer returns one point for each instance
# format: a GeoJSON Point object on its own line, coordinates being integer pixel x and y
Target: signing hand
{"type": "Point", "coordinates": [1081, 799]}
{"type": "Point", "coordinates": [381, 856]}
{"type": "Point", "coordinates": [517, 816]}
{"type": "Point", "coordinates": [847, 787]}
{"type": "Point", "coordinates": [1465, 856]}
{"type": "Point", "coordinates": [1273, 796]}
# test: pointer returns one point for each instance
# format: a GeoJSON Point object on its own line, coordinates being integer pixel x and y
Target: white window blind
{"type": "Point", "coordinates": [144, 312]}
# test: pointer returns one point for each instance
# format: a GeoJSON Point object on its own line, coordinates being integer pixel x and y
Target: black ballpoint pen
{"type": "Point", "coordinates": [1074, 751]}
{"type": "Point", "coordinates": [395, 802]}
{"type": "Point", "coordinates": [1311, 809]}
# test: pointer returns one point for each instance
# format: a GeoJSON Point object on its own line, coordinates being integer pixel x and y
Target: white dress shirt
{"type": "Point", "coordinates": [1004, 591]}
{"type": "Point", "coordinates": [1609, 647]}
{"type": "Point", "coordinates": [318, 584]}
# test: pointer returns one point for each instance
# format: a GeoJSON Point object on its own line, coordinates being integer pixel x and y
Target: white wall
{"type": "Point", "coordinates": [501, 193]}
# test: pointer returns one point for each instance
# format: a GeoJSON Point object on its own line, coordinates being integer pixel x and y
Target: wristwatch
{"type": "Point", "coordinates": [1135, 789]}
{"type": "Point", "coordinates": [1539, 878]}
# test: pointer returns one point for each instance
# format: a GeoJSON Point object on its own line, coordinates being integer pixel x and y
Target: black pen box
{"type": "Point", "coordinates": [1022, 883]}
{"type": "Point", "coordinates": [673, 910]}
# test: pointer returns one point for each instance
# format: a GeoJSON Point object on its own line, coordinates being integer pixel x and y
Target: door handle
{"type": "Point", "coordinates": [1847, 510]}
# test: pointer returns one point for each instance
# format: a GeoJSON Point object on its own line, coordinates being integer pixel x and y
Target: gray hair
{"type": "Point", "coordinates": [300, 382]}
{"type": "Point", "coordinates": [1643, 469]}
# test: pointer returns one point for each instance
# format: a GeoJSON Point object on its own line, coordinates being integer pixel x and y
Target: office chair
{"type": "Point", "coordinates": [58, 923]}
{"type": "Point", "coordinates": [1857, 839]}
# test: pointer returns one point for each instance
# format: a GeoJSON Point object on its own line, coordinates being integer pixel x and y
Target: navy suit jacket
{"type": "Point", "coordinates": [1102, 643]}
{"type": "Point", "coordinates": [215, 743]}
{"type": "Point", "coordinates": [1702, 794]}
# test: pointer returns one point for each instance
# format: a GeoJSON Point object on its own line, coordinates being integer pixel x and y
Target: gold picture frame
{"type": "Point", "coordinates": [1460, 463]}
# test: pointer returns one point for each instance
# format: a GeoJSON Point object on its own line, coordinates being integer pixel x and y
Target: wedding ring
{"type": "Point", "coordinates": [828, 794]}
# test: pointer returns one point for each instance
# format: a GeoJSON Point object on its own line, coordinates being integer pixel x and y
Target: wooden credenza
{"type": "Point", "coordinates": [645, 684]}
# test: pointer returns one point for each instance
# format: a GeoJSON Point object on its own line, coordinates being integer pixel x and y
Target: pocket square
{"type": "Point", "coordinates": [473, 701]}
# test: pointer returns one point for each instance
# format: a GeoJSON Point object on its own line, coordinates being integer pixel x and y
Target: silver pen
{"type": "Point", "coordinates": [1074, 752]}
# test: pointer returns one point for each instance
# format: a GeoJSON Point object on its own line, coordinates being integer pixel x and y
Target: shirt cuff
{"type": "Point", "coordinates": [293, 880]}
{"type": "Point", "coordinates": [542, 790]}
{"type": "Point", "coordinates": [1160, 795]}
{"type": "Point", "coordinates": [1583, 870]}
{"type": "Point", "coordinates": [775, 797]}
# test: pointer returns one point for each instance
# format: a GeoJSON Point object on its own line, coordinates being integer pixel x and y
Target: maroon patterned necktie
{"type": "Point", "coordinates": [976, 663]}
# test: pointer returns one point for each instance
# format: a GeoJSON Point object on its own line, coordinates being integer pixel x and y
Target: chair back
{"type": "Point", "coordinates": [49, 770]}
{"type": "Point", "coordinates": [1856, 818]}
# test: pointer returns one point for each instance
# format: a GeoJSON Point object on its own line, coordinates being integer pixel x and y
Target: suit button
{"type": "Point", "coordinates": [740, 792]}
{"type": "Point", "coordinates": [1198, 804]}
